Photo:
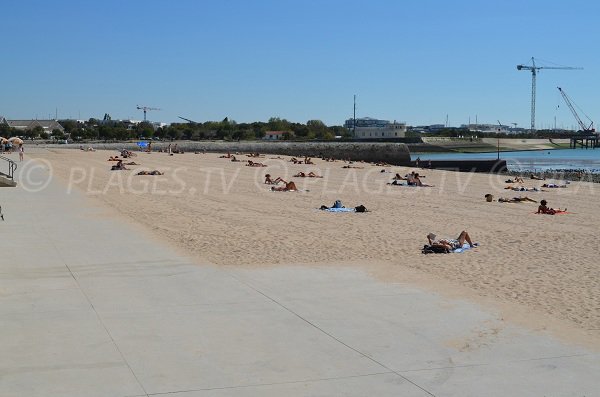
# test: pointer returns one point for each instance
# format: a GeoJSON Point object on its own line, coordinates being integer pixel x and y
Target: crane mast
{"type": "Point", "coordinates": [534, 69]}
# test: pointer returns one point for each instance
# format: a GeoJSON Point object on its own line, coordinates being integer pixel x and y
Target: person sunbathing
{"type": "Point", "coordinates": [115, 158]}
{"type": "Point", "coordinates": [351, 166]}
{"type": "Point", "coordinates": [516, 200]}
{"type": "Point", "coordinates": [275, 181]}
{"type": "Point", "coordinates": [225, 156]}
{"type": "Point", "coordinates": [131, 163]}
{"type": "Point", "coordinates": [552, 185]}
{"type": "Point", "coordinates": [234, 159]}
{"type": "Point", "coordinates": [448, 243]}
{"type": "Point", "coordinates": [523, 189]}
{"type": "Point", "coordinates": [305, 175]}
{"type": "Point", "coordinates": [155, 172]}
{"type": "Point", "coordinates": [537, 178]}
{"type": "Point", "coordinates": [308, 160]}
{"type": "Point", "coordinates": [289, 187]}
{"type": "Point", "coordinates": [253, 164]}
{"type": "Point", "coordinates": [544, 209]}
{"type": "Point", "coordinates": [119, 166]}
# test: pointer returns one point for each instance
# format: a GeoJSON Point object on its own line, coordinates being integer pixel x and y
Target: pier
{"type": "Point", "coordinates": [590, 141]}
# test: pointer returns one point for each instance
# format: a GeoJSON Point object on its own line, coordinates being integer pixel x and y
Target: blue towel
{"type": "Point", "coordinates": [465, 247]}
{"type": "Point", "coordinates": [339, 210]}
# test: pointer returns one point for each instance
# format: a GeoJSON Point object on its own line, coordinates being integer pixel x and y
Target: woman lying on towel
{"type": "Point", "coordinates": [289, 187]}
{"type": "Point", "coordinates": [449, 243]}
{"type": "Point", "coordinates": [544, 209]}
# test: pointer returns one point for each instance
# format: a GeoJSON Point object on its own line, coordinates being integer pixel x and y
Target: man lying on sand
{"type": "Point", "coordinates": [448, 243]}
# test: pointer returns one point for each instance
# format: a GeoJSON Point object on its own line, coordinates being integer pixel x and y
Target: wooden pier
{"type": "Point", "coordinates": [588, 141]}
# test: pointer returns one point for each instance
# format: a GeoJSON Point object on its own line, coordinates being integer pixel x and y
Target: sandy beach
{"type": "Point", "coordinates": [544, 267]}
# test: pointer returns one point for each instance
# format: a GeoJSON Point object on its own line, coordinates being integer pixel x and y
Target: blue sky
{"type": "Point", "coordinates": [414, 61]}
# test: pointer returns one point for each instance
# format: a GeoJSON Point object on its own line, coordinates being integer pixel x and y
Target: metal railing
{"type": "Point", "coordinates": [12, 166]}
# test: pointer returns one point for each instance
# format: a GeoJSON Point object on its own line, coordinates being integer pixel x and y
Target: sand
{"type": "Point", "coordinates": [542, 266]}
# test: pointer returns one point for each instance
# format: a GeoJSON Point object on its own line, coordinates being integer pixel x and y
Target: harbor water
{"type": "Point", "coordinates": [587, 160]}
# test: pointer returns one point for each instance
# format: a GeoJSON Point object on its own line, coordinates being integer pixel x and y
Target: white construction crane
{"type": "Point", "coordinates": [145, 109]}
{"type": "Point", "coordinates": [534, 70]}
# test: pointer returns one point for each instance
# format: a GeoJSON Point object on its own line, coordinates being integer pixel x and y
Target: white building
{"type": "Point", "coordinates": [370, 128]}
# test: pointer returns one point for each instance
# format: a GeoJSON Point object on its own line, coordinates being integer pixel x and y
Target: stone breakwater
{"type": "Point", "coordinates": [391, 153]}
{"type": "Point", "coordinates": [565, 175]}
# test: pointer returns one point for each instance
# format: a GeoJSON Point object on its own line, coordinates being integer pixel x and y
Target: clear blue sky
{"type": "Point", "coordinates": [413, 61]}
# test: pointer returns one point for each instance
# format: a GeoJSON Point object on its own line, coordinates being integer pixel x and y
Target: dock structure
{"type": "Point", "coordinates": [588, 141]}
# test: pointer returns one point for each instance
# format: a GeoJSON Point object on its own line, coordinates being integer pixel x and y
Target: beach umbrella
{"type": "Point", "coordinates": [15, 140]}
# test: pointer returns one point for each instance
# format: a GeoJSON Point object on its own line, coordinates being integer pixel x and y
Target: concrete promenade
{"type": "Point", "coordinates": [91, 305]}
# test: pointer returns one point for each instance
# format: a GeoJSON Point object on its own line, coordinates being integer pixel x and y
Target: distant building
{"type": "Point", "coordinates": [276, 135]}
{"type": "Point", "coordinates": [488, 128]}
{"type": "Point", "coordinates": [24, 125]}
{"type": "Point", "coordinates": [370, 128]}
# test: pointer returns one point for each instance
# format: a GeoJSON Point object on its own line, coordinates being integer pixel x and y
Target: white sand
{"type": "Point", "coordinates": [222, 212]}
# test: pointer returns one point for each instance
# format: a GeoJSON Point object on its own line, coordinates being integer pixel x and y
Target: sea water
{"type": "Point", "coordinates": [531, 160]}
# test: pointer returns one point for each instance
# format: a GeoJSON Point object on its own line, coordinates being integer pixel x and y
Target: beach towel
{"type": "Point", "coordinates": [339, 210]}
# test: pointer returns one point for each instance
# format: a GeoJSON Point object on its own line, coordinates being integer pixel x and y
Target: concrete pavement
{"type": "Point", "coordinates": [94, 306]}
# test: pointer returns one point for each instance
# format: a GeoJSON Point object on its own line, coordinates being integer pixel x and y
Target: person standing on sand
{"type": "Point", "coordinates": [21, 152]}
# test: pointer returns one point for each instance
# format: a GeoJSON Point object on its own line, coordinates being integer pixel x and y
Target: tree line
{"type": "Point", "coordinates": [107, 129]}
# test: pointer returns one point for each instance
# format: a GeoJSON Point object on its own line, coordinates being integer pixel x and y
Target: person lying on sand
{"type": "Point", "coordinates": [522, 189]}
{"type": "Point", "coordinates": [289, 187]}
{"type": "Point", "coordinates": [516, 200]}
{"type": "Point", "coordinates": [309, 175]}
{"type": "Point", "coordinates": [115, 158]}
{"type": "Point", "coordinates": [553, 185]}
{"type": "Point", "coordinates": [544, 209]}
{"type": "Point", "coordinates": [131, 163]}
{"type": "Point", "coordinates": [516, 179]}
{"type": "Point", "coordinates": [119, 166]}
{"type": "Point", "coordinates": [449, 243]}
{"type": "Point", "coordinates": [155, 172]}
{"type": "Point", "coordinates": [537, 178]}
{"type": "Point", "coordinates": [225, 156]}
{"type": "Point", "coordinates": [352, 166]}
{"type": "Point", "coordinates": [253, 164]}
{"type": "Point", "coordinates": [275, 181]}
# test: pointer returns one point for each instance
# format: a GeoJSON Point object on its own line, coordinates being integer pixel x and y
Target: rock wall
{"type": "Point", "coordinates": [392, 153]}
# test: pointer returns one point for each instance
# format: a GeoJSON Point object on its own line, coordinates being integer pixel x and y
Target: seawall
{"type": "Point", "coordinates": [391, 153]}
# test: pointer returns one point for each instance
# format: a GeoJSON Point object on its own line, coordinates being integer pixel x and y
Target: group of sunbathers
{"type": "Point", "coordinates": [412, 179]}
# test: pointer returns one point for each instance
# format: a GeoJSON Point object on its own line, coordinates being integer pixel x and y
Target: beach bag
{"type": "Point", "coordinates": [360, 208]}
{"type": "Point", "coordinates": [434, 249]}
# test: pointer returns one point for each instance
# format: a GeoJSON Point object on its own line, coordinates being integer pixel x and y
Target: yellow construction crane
{"type": "Point", "coordinates": [145, 109]}
{"type": "Point", "coordinates": [533, 68]}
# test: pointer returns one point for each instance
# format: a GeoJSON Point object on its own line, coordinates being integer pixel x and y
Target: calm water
{"type": "Point", "coordinates": [531, 160]}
